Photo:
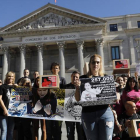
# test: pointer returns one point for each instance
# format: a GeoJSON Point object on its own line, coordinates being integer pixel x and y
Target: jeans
{"type": "Point", "coordinates": [71, 130]}
{"type": "Point", "coordinates": [98, 125]}
{"type": "Point", "coordinates": [7, 127]}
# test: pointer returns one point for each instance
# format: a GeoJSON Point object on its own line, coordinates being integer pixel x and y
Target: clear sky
{"type": "Point", "coordinates": [11, 10]}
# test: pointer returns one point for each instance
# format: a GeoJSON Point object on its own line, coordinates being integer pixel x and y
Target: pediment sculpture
{"type": "Point", "coordinates": [51, 20]}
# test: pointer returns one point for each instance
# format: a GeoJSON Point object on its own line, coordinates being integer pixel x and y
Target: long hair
{"type": "Point", "coordinates": [128, 88]}
{"type": "Point", "coordinates": [7, 75]}
{"type": "Point", "coordinates": [101, 73]}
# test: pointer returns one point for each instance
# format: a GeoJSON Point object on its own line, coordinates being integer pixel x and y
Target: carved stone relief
{"type": "Point", "coordinates": [51, 20]}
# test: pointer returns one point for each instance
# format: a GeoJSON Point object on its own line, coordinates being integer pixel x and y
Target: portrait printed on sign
{"type": "Point", "coordinates": [119, 64]}
{"type": "Point", "coordinates": [138, 127]}
{"type": "Point", "coordinates": [98, 91]}
{"type": "Point", "coordinates": [45, 104]}
{"type": "Point", "coordinates": [49, 81]}
{"type": "Point", "coordinates": [72, 107]}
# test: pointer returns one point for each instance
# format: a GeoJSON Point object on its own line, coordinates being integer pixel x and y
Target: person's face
{"type": "Point", "coordinates": [55, 70]}
{"type": "Point", "coordinates": [42, 92]}
{"type": "Point", "coordinates": [120, 81]}
{"type": "Point", "coordinates": [74, 77]}
{"type": "Point", "coordinates": [132, 108]}
{"type": "Point", "coordinates": [10, 78]}
{"type": "Point", "coordinates": [125, 79]}
{"type": "Point", "coordinates": [27, 83]}
{"type": "Point", "coordinates": [36, 74]}
{"type": "Point", "coordinates": [26, 73]}
{"type": "Point", "coordinates": [0, 82]}
{"type": "Point", "coordinates": [87, 86]}
{"type": "Point", "coordinates": [132, 83]}
{"type": "Point", "coordinates": [95, 64]}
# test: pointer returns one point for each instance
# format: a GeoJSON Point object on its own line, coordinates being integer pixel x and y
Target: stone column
{"type": "Point", "coordinates": [121, 51]}
{"type": "Point", "coordinates": [5, 62]}
{"type": "Point", "coordinates": [22, 59]}
{"type": "Point", "coordinates": [80, 45]}
{"type": "Point", "coordinates": [61, 58]}
{"type": "Point", "coordinates": [99, 43]}
{"type": "Point", "coordinates": [40, 58]}
{"type": "Point", "coordinates": [132, 51]}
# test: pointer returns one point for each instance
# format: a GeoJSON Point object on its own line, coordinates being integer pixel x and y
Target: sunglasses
{"type": "Point", "coordinates": [95, 62]}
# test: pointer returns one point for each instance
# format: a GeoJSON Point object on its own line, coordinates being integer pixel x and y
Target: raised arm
{"type": "Point", "coordinates": [77, 84]}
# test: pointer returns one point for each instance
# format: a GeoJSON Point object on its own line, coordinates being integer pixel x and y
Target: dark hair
{"type": "Point", "coordinates": [53, 65]}
{"type": "Point", "coordinates": [26, 69]}
{"type": "Point", "coordinates": [127, 88]}
{"type": "Point", "coordinates": [139, 78]}
{"type": "Point", "coordinates": [35, 85]}
{"type": "Point", "coordinates": [75, 72]}
{"type": "Point", "coordinates": [123, 75]}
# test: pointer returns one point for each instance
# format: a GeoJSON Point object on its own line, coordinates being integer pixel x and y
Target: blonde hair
{"type": "Point", "coordinates": [101, 73]}
{"type": "Point", "coordinates": [9, 74]}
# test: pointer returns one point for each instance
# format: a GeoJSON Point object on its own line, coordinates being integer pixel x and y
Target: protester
{"type": "Point", "coordinates": [44, 104]}
{"type": "Point", "coordinates": [131, 92]}
{"type": "Point", "coordinates": [121, 86]}
{"type": "Point", "coordinates": [125, 119]}
{"type": "Point", "coordinates": [26, 75]}
{"type": "Point", "coordinates": [125, 78]}
{"type": "Point", "coordinates": [6, 123]}
{"type": "Point", "coordinates": [55, 69]}
{"type": "Point", "coordinates": [35, 75]}
{"type": "Point", "coordinates": [23, 124]}
{"type": "Point", "coordinates": [98, 121]}
{"type": "Point", "coordinates": [70, 126]}
{"type": "Point", "coordinates": [54, 127]}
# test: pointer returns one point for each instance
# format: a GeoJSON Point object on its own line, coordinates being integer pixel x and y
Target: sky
{"type": "Point", "coordinates": [11, 10]}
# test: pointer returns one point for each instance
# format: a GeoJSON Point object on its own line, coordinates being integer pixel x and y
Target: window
{"type": "Point", "coordinates": [115, 53]}
{"type": "Point", "coordinates": [1, 60]}
{"type": "Point", "coordinates": [113, 27]}
{"type": "Point", "coordinates": [138, 24]}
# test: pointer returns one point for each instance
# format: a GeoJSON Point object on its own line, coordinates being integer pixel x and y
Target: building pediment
{"type": "Point", "coordinates": [50, 16]}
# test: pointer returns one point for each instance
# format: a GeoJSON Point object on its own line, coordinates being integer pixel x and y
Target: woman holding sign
{"type": "Point", "coordinates": [98, 121]}
{"type": "Point", "coordinates": [6, 123]}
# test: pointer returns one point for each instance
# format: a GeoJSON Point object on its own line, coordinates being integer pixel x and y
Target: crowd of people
{"type": "Point", "coordinates": [101, 122]}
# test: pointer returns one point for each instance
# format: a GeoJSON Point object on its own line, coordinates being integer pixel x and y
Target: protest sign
{"type": "Point", "coordinates": [57, 107]}
{"type": "Point", "coordinates": [49, 81]}
{"type": "Point", "coordinates": [134, 130]}
{"type": "Point", "coordinates": [121, 66]}
{"type": "Point", "coordinates": [98, 91]}
{"type": "Point", "coordinates": [72, 107]}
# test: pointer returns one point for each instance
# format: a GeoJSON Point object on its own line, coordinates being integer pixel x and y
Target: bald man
{"type": "Point", "coordinates": [126, 117]}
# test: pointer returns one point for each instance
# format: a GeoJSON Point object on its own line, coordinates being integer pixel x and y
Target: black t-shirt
{"type": "Point", "coordinates": [62, 82]}
{"type": "Point", "coordinates": [122, 118]}
{"type": "Point", "coordinates": [5, 91]}
{"type": "Point", "coordinates": [92, 108]}
{"type": "Point", "coordinates": [69, 86]}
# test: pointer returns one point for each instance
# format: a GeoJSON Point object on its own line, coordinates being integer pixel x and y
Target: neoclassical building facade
{"type": "Point", "coordinates": [56, 34]}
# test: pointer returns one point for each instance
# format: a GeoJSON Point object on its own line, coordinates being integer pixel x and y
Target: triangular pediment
{"type": "Point", "coordinates": [50, 16]}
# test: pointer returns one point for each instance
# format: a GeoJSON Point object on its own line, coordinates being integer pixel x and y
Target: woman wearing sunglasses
{"type": "Point", "coordinates": [98, 121]}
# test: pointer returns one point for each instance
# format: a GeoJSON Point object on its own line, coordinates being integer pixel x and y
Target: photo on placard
{"type": "Point", "coordinates": [49, 81]}
{"type": "Point", "coordinates": [138, 127]}
{"type": "Point", "coordinates": [72, 108]}
{"type": "Point", "coordinates": [98, 91]}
